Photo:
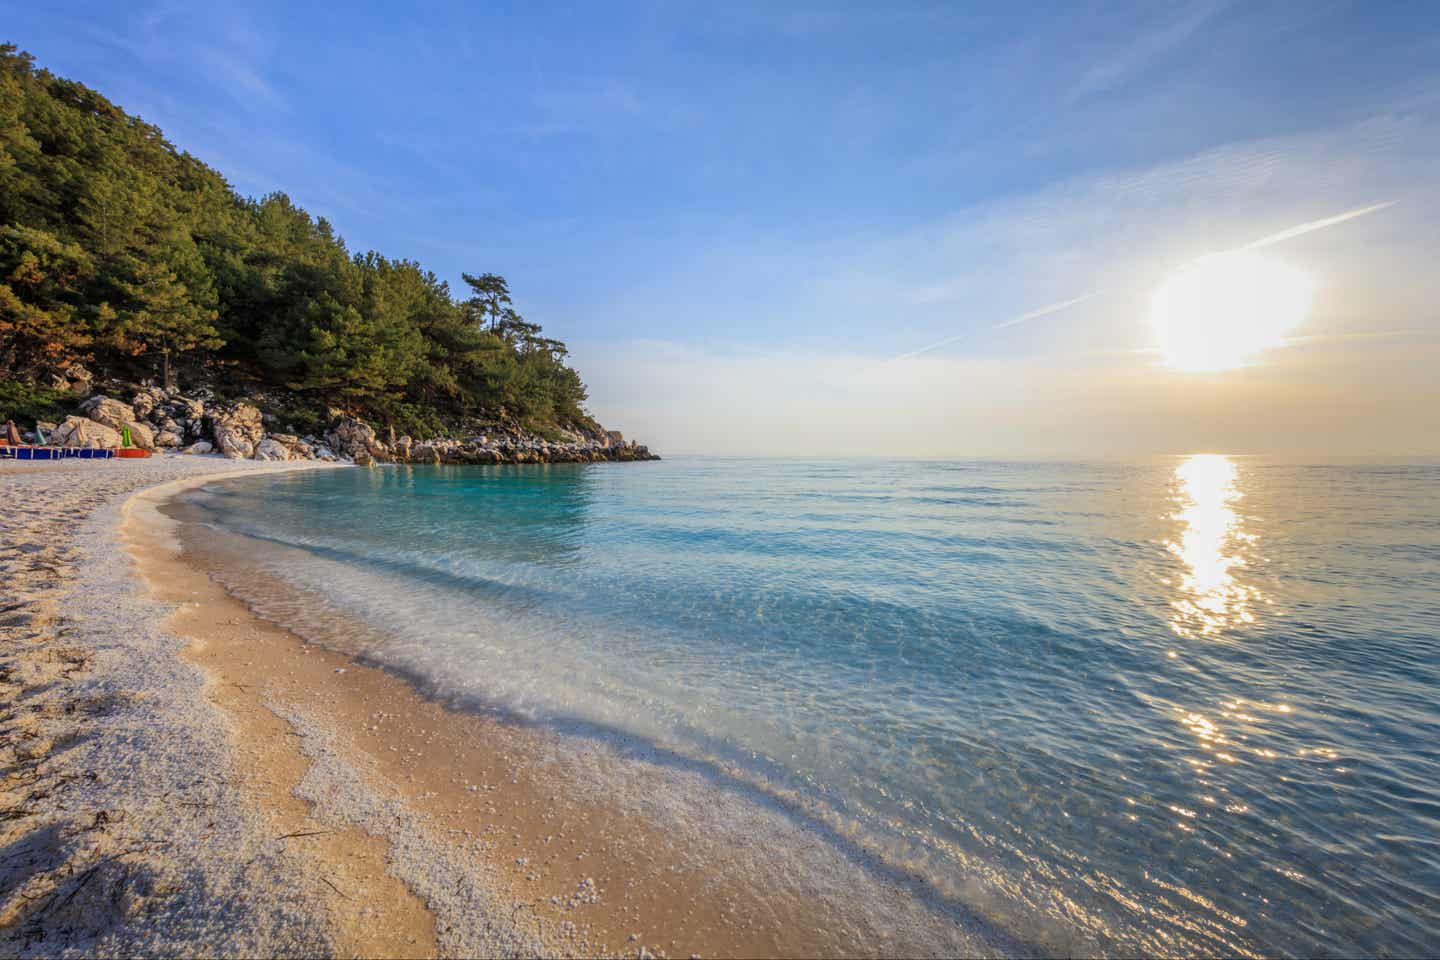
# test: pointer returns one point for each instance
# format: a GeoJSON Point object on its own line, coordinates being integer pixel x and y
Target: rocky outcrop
{"type": "Point", "coordinates": [189, 408]}
{"type": "Point", "coordinates": [271, 449]}
{"type": "Point", "coordinates": [83, 432]}
{"type": "Point", "coordinates": [147, 399]}
{"type": "Point", "coordinates": [171, 434]}
{"type": "Point", "coordinates": [236, 429]}
{"type": "Point", "coordinates": [112, 413]}
{"type": "Point", "coordinates": [354, 438]}
{"type": "Point", "coordinates": [142, 435]}
{"type": "Point", "coordinates": [118, 417]}
{"type": "Point", "coordinates": [158, 418]}
{"type": "Point", "coordinates": [73, 378]}
{"type": "Point", "coordinates": [518, 447]}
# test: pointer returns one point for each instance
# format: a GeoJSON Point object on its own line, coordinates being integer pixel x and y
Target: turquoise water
{"type": "Point", "coordinates": [1189, 705]}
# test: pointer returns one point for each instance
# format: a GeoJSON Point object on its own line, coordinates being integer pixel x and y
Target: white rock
{"type": "Point", "coordinates": [81, 432]}
{"type": "Point", "coordinates": [111, 413]}
{"type": "Point", "coordinates": [237, 430]}
{"type": "Point", "coordinates": [117, 416]}
{"type": "Point", "coordinates": [271, 449]}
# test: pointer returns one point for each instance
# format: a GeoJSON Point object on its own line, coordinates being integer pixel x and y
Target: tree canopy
{"type": "Point", "coordinates": [120, 250]}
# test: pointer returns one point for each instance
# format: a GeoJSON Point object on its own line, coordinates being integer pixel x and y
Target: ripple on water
{"type": "Point", "coordinates": [1181, 706]}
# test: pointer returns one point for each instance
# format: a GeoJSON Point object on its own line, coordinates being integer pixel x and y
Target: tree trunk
{"type": "Point", "coordinates": [165, 369]}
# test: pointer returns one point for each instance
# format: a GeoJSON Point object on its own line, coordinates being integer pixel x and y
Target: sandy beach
{"type": "Point", "coordinates": [186, 777]}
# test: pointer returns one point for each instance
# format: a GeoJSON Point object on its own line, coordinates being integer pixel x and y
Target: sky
{"type": "Point", "coordinates": [834, 229]}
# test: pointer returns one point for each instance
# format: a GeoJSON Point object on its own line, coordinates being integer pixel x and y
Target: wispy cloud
{"type": "Point", "coordinates": [1313, 225]}
{"type": "Point", "coordinates": [1144, 51]}
{"type": "Point", "coordinates": [219, 47]}
{"type": "Point", "coordinates": [1044, 311]}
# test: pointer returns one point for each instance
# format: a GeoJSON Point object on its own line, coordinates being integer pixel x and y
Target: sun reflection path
{"type": "Point", "coordinates": [1210, 599]}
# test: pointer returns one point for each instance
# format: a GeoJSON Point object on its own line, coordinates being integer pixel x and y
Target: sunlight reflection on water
{"type": "Point", "coordinates": [1212, 544]}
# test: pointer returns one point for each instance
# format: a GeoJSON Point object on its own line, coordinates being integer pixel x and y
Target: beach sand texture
{"type": "Point", "coordinates": [124, 830]}
{"type": "Point", "coordinates": [185, 777]}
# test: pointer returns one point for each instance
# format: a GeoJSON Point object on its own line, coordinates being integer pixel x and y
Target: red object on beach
{"type": "Point", "coordinates": [131, 453]}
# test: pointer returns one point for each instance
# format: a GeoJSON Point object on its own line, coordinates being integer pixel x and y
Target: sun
{"type": "Point", "coordinates": [1223, 310]}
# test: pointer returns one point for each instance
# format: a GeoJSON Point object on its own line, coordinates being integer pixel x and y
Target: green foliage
{"type": "Point", "coordinates": [42, 286]}
{"type": "Point", "coordinates": [417, 420]}
{"type": "Point", "coordinates": [283, 414]}
{"type": "Point", "coordinates": [118, 249]}
{"type": "Point", "coordinates": [28, 402]}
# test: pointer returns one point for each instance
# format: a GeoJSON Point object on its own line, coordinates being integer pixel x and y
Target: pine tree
{"type": "Point", "coordinates": [157, 314]}
{"type": "Point", "coordinates": [42, 279]}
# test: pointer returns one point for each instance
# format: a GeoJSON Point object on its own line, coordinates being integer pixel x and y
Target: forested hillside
{"type": "Point", "coordinates": [122, 252]}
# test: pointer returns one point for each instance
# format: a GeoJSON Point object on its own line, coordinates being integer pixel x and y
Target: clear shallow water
{"type": "Point", "coordinates": [1185, 706]}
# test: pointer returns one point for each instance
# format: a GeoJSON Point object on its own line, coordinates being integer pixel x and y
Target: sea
{"type": "Point", "coordinates": [1184, 705]}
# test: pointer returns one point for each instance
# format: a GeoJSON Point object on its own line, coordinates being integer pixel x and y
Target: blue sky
{"type": "Point", "coordinates": [702, 197]}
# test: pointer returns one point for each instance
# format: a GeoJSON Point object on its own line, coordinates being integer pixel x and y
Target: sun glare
{"type": "Point", "coordinates": [1223, 310]}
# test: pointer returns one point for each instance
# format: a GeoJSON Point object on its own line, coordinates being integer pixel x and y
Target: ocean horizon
{"type": "Point", "coordinates": [1171, 705]}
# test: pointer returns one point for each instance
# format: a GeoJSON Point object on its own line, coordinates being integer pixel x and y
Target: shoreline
{"type": "Point", "coordinates": [126, 830]}
{"type": "Point", "coordinates": [516, 841]}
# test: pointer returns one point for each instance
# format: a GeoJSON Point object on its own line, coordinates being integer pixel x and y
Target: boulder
{"type": "Point", "coordinates": [236, 429]}
{"type": "Point", "coordinates": [168, 438]}
{"type": "Point", "coordinates": [141, 435]}
{"type": "Point", "coordinates": [111, 413]}
{"type": "Point", "coordinates": [78, 375]}
{"type": "Point", "coordinates": [193, 429]}
{"type": "Point", "coordinates": [73, 378]}
{"type": "Point", "coordinates": [232, 446]}
{"type": "Point", "coordinates": [81, 432]}
{"type": "Point", "coordinates": [271, 449]}
{"type": "Point", "coordinates": [200, 446]}
{"type": "Point", "coordinates": [147, 399]}
{"type": "Point", "coordinates": [188, 408]}
{"type": "Point", "coordinates": [117, 416]}
{"type": "Point", "coordinates": [350, 437]}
